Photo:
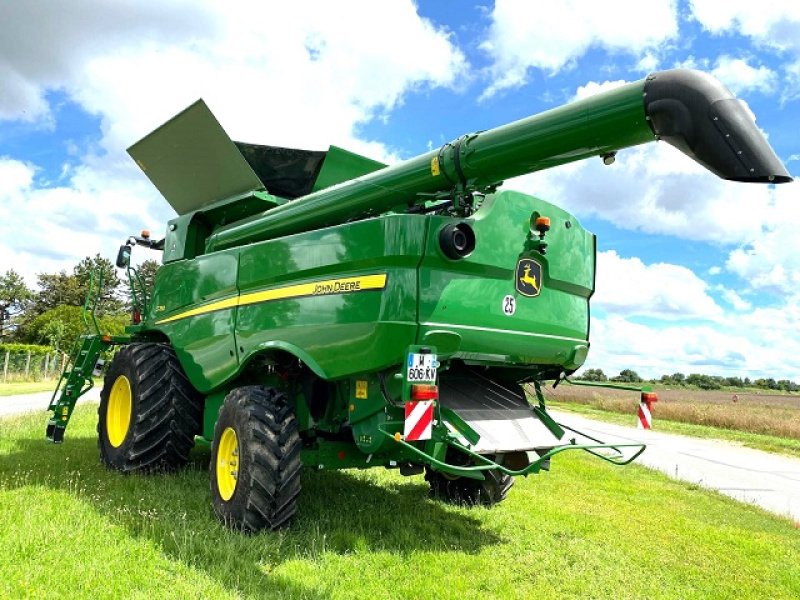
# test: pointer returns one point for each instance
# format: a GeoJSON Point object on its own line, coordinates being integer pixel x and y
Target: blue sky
{"type": "Point", "coordinates": [694, 274]}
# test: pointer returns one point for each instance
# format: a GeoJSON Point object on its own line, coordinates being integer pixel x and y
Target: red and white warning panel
{"type": "Point", "coordinates": [646, 410]}
{"type": "Point", "coordinates": [419, 420]}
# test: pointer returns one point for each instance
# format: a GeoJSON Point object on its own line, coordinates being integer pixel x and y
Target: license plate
{"type": "Point", "coordinates": [421, 368]}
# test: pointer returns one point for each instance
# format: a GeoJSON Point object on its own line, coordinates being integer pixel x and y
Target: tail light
{"type": "Point", "coordinates": [424, 392]}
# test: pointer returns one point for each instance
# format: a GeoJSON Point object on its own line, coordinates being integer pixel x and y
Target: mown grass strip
{"type": "Point", "coordinates": [768, 443]}
{"type": "Point", "coordinates": [584, 530]}
{"type": "Point", "coordinates": [26, 387]}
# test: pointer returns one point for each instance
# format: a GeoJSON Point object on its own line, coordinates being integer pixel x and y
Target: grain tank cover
{"type": "Point", "coordinates": [193, 163]}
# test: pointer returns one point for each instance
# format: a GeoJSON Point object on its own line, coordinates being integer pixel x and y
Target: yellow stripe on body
{"type": "Point", "coordinates": [327, 287]}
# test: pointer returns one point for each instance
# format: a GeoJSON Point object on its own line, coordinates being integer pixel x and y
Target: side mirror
{"type": "Point", "coordinates": [124, 256]}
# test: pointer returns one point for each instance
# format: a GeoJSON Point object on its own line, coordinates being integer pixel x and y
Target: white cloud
{"type": "Point", "coordinates": [592, 88]}
{"type": "Point", "coordinates": [14, 176]}
{"type": "Point", "coordinates": [627, 286]}
{"type": "Point", "coordinates": [523, 35]}
{"type": "Point", "coordinates": [770, 257]}
{"type": "Point", "coordinates": [648, 323]}
{"type": "Point", "coordinates": [774, 25]}
{"type": "Point", "coordinates": [299, 74]}
{"type": "Point", "coordinates": [755, 343]}
{"type": "Point", "coordinates": [91, 214]}
{"type": "Point", "coordinates": [739, 76]}
{"type": "Point", "coordinates": [656, 189]}
{"type": "Point", "coordinates": [734, 299]}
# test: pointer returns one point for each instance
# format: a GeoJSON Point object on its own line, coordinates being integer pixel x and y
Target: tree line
{"type": "Point", "coordinates": [51, 314]}
{"type": "Point", "coordinates": [702, 381]}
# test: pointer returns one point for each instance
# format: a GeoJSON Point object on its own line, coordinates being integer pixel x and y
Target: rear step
{"type": "Point", "coordinates": [499, 413]}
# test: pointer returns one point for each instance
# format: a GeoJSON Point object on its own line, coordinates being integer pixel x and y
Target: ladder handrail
{"type": "Point", "coordinates": [92, 297]}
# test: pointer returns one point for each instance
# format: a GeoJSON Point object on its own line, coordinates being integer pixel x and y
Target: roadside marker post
{"type": "Point", "coordinates": [645, 420]}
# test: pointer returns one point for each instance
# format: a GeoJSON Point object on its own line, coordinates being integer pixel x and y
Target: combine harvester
{"type": "Point", "coordinates": [322, 309]}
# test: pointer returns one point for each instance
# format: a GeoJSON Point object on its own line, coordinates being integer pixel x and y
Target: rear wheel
{"type": "Point", "coordinates": [470, 492]}
{"type": "Point", "coordinates": [149, 412]}
{"type": "Point", "coordinates": [255, 460]}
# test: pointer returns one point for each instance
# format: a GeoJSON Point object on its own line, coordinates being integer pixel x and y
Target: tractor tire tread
{"type": "Point", "coordinates": [167, 411]}
{"type": "Point", "coordinates": [272, 479]}
{"type": "Point", "coordinates": [491, 490]}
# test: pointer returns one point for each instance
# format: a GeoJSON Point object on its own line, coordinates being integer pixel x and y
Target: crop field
{"type": "Point", "coordinates": [748, 411]}
{"type": "Point", "coordinates": [70, 528]}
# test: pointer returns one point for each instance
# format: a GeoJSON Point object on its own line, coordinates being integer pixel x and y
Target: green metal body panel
{"type": "Point", "coordinates": [425, 296]}
{"type": "Point", "coordinates": [466, 296]}
{"type": "Point", "coordinates": [342, 165]}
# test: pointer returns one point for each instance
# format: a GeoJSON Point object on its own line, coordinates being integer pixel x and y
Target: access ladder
{"type": "Point", "coordinates": [76, 378]}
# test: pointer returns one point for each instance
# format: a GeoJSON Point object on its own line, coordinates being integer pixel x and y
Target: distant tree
{"type": "Point", "coordinates": [627, 376]}
{"type": "Point", "coordinates": [59, 327]}
{"type": "Point", "coordinates": [593, 375]}
{"type": "Point", "coordinates": [747, 382]}
{"type": "Point", "coordinates": [54, 332]}
{"type": "Point", "coordinates": [674, 379]}
{"type": "Point", "coordinates": [704, 382]}
{"type": "Point", "coordinates": [61, 289]}
{"type": "Point", "coordinates": [733, 382]}
{"type": "Point", "coordinates": [109, 301]}
{"type": "Point", "coordinates": [14, 295]}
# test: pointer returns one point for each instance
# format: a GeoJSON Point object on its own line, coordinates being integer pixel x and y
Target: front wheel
{"type": "Point", "coordinates": [149, 412]}
{"type": "Point", "coordinates": [255, 460]}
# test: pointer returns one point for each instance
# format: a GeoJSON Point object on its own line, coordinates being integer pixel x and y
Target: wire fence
{"type": "Point", "coordinates": [30, 365]}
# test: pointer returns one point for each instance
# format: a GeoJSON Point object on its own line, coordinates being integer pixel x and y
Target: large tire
{"type": "Point", "coordinates": [255, 460]}
{"type": "Point", "coordinates": [149, 412]}
{"type": "Point", "coordinates": [470, 492]}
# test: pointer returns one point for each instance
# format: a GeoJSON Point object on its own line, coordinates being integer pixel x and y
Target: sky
{"type": "Point", "coordinates": [694, 274]}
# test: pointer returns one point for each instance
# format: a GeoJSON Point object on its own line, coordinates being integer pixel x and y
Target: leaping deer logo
{"type": "Point", "coordinates": [529, 275]}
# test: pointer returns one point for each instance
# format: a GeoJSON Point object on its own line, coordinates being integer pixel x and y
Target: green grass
{"type": "Point", "coordinates": [70, 528]}
{"type": "Point", "coordinates": [26, 387]}
{"type": "Point", "coordinates": [768, 443]}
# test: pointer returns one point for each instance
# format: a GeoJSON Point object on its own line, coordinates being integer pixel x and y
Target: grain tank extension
{"type": "Point", "coordinates": [322, 309]}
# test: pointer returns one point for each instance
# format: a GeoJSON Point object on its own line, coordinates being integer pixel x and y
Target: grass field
{"type": "Point", "coordinates": [70, 528]}
{"type": "Point", "coordinates": [763, 414]}
{"type": "Point", "coordinates": [768, 443]}
{"type": "Point", "coordinates": [28, 387]}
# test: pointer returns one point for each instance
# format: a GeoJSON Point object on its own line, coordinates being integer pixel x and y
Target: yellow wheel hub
{"type": "Point", "coordinates": [118, 412]}
{"type": "Point", "coordinates": [227, 463]}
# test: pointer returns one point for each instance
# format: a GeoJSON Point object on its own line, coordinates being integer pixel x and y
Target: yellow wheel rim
{"type": "Point", "coordinates": [227, 463]}
{"type": "Point", "coordinates": [118, 413]}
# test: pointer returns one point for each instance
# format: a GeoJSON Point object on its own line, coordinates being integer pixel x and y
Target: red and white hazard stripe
{"type": "Point", "coordinates": [419, 420]}
{"type": "Point", "coordinates": [645, 418]}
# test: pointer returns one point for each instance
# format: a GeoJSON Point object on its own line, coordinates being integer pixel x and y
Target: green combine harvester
{"type": "Point", "coordinates": [324, 310]}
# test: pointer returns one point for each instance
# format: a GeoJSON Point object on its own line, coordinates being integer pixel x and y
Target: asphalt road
{"type": "Point", "coordinates": [37, 402]}
{"type": "Point", "coordinates": [768, 480]}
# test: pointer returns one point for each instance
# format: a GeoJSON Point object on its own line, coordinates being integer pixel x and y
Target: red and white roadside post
{"type": "Point", "coordinates": [645, 420]}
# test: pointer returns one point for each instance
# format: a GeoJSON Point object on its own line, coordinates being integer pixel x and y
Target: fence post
{"type": "Point", "coordinates": [5, 368]}
{"type": "Point", "coordinates": [27, 365]}
{"type": "Point", "coordinates": [46, 365]}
